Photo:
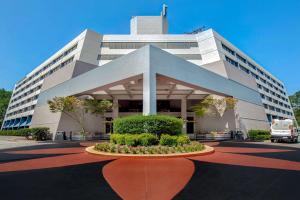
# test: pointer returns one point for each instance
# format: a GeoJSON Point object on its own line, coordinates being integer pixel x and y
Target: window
{"type": "Point", "coordinates": [231, 61]}
{"type": "Point", "coordinates": [137, 45]}
{"type": "Point", "coordinates": [183, 56]}
{"type": "Point", "coordinates": [244, 69]}
{"type": "Point", "coordinates": [228, 49]}
{"type": "Point", "coordinates": [241, 58]}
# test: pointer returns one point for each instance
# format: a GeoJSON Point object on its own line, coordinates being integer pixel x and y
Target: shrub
{"type": "Point", "coordinates": [183, 139]}
{"type": "Point", "coordinates": [259, 135]}
{"type": "Point", "coordinates": [168, 140]}
{"type": "Point", "coordinates": [41, 133]}
{"type": "Point", "coordinates": [147, 139]}
{"type": "Point", "coordinates": [156, 124]}
{"type": "Point", "coordinates": [115, 148]}
{"type": "Point", "coordinates": [102, 147]}
{"type": "Point", "coordinates": [131, 140]}
{"type": "Point", "coordinates": [118, 138]}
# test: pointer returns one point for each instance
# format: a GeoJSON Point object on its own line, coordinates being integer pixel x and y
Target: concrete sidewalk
{"type": "Point", "coordinates": [7, 142]}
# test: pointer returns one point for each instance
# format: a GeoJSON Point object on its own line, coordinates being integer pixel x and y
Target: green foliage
{"type": "Point", "coordinates": [147, 139]}
{"type": "Point", "coordinates": [118, 138]}
{"type": "Point", "coordinates": [39, 134]}
{"type": "Point", "coordinates": [76, 108]}
{"type": "Point", "coordinates": [144, 139]}
{"type": "Point", "coordinates": [64, 104]}
{"type": "Point", "coordinates": [214, 106]}
{"type": "Point", "coordinates": [295, 102]}
{"type": "Point", "coordinates": [295, 99]}
{"type": "Point", "coordinates": [116, 148]}
{"type": "Point", "coordinates": [131, 140]}
{"type": "Point", "coordinates": [183, 139]}
{"type": "Point", "coordinates": [258, 135]}
{"type": "Point", "coordinates": [168, 140]}
{"type": "Point", "coordinates": [4, 101]}
{"type": "Point", "coordinates": [297, 115]}
{"type": "Point", "coordinates": [156, 124]}
{"type": "Point", "coordinates": [97, 107]}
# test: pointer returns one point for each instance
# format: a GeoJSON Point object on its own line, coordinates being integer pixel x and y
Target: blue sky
{"type": "Point", "coordinates": [267, 30]}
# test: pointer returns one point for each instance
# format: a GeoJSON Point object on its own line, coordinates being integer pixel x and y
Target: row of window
{"type": "Point", "coordinates": [274, 101]}
{"type": "Point", "coordinates": [244, 60]}
{"type": "Point", "coordinates": [34, 90]}
{"type": "Point", "coordinates": [273, 108]}
{"type": "Point", "coordinates": [67, 52]}
{"type": "Point", "coordinates": [41, 78]}
{"type": "Point", "coordinates": [183, 56]}
{"type": "Point", "coordinates": [271, 117]}
{"type": "Point", "coordinates": [238, 65]}
{"type": "Point", "coordinates": [272, 92]}
{"type": "Point", "coordinates": [24, 102]}
{"type": "Point", "coordinates": [137, 45]}
{"type": "Point", "coordinates": [29, 108]}
{"type": "Point", "coordinates": [27, 93]}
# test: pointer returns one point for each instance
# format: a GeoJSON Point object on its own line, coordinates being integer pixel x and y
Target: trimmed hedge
{"type": "Point", "coordinates": [144, 139]}
{"type": "Point", "coordinates": [149, 139]}
{"type": "Point", "coordinates": [173, 140]}
{"type": "Point", "coordinates": [115, 148]}
{"type": "Point", "coordinates": [156, 124]}
{"type": "Point", "coordinates": [259, 135]}
{"type": "Point", "coordinates": [39, 134]}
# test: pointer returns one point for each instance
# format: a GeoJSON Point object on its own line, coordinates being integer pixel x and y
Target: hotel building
{"type": "Point", "coordinates": [150, 71]}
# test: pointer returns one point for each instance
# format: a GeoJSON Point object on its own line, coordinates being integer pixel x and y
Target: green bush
{"type": "Point", "coordinates": [118, 138]}
{"type": "Point", "coordinates": [258, 135]}
{"type": "Point", "coordinates": [183, 139]}
{"type": "Point", "coordinates": [156, 124]}
{"type": "Point", "coordinates": [41, 133]}
{"type": "Point", "coordinates": [115, 148]}
{"type": "Point", "coordinates": [168, 140]}
{"type": "Point", "coordinates": [131, 140]}
{"type": "Point", "coordinates": [147, 139]}
{"type": "Point", "coordinates": [144, 139]}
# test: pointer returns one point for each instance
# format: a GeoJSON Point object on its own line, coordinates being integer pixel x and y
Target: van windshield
{"type": "Point", "coordinates": [281, 125]}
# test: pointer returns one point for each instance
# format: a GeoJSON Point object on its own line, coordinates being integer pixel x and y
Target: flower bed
{"type": "Point", "coordinates": [157, 149]}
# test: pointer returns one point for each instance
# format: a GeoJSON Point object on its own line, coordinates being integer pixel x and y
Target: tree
{"type": "Point", "coordinates": [295, 102]}
{"type": "Point", "coordinates": [295, 99]}
{"type": "Point", "coordinates": [97, 107]}
{"type": "Point", "coordinates": [4, 101]}
{"type": "Point", "coordinates": [214, 106]}
{"type": "Point", "coordinates": [77, 109]}
{"type": "Point", "coordinates": [297, 115]}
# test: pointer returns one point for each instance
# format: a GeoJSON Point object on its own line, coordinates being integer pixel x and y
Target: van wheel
{"type": "Point", "coordinates": [296, 140]}
{"type": "Point", "coordinates": [272, 140]}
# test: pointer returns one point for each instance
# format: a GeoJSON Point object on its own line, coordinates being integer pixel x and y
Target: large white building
{"type": "Point", "coordinates": [150, 71]}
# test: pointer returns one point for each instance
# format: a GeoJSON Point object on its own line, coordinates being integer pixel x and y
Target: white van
{"type": "Point", "coordinates": [284, 130]}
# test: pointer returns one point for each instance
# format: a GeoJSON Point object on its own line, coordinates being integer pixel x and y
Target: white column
{"type": "Point", "coordinates": [115, 108]}
{"type": "Point", "coordinates": [149, 93]}
{"type": "Point", "coordinates": [183, 114]}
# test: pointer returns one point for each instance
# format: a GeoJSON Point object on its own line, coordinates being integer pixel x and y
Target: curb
{"type": "Point", "coordinates": [208, 150]}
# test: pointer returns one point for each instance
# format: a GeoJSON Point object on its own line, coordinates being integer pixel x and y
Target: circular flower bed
{"type": "Point", "coordinates": [149, 136]}
{"type": "Point", "coordinates": [157, 149]}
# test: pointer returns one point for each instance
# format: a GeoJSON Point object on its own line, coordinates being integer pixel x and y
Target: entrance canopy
{"type": "Point", "coordinates": [150, 73]}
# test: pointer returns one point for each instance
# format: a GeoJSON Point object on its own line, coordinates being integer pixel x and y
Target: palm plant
{"type": "Point", "coordinates": [76, 108]}
{"type": "Point", "coordinates": [214, 106]}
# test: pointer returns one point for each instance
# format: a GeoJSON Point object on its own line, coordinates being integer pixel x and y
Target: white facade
{"type": "Point", "coordinates": [205, 49]}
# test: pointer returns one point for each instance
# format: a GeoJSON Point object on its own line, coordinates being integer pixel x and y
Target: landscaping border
{"type": "Point", "coordinates": [207, 150]}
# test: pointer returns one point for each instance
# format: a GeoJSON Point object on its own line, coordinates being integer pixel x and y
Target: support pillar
{"type": "Point", "coordinates": [183, 114]}
{"type": "Point", "coordinates": [149, 93]}
{"type": "Point", "coordinates": [115, 108]}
